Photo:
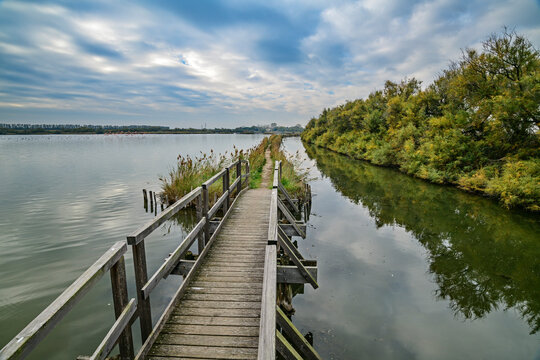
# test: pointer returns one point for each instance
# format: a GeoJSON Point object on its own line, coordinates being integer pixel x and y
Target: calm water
{"type": "Point", "coordinates": [64, 201]}
{"type": "Point", "coordinates": [411, 270]}
{"type": "Point", "coordinates": [407, 270]}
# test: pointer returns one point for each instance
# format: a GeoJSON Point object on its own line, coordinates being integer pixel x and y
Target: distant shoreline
{"type": "Point", "coordinates": [26, 129]}
{"type": "Point", "coordinates": [151, 133]}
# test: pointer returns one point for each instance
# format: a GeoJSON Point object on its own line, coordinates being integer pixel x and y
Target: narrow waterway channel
{"type": "Point", "coordinates": [412, 270]}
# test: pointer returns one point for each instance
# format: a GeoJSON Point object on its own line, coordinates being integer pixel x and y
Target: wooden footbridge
{"type": "Point", "coordinates": [225, 307]}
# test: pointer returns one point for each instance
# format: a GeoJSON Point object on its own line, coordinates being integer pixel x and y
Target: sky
{"type": "Point", "coordinates": [228, 63]}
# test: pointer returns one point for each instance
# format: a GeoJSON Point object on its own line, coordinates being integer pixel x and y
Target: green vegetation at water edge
{"type": "Point", "coordinates": [293, 177]}
{"type": "Point", "coordinates": [476, 126]}
{"type": "Point", "coordinates": [257, 160]}
{"type": "Point", "coordinates": [190, 172]}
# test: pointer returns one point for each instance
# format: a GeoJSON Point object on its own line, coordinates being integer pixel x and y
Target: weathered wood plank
{"type": "Point", "coordinates": [217, 312]}
{"type": "Point", "coordinates": [284, 237]}
{"type": "Point", "coordinates": [285, 349]}
{"type": "Point", "coordinates": [290, 218]}
{"type": "Point", "coordinates": [266, 349]}
{"type": "Point", "coordinates": [214, 178]}
{"type": "Point", "coordinates": [37, 329]}
{"type": "Point", "coordinates": [304, 348]}
{"type": "Point", "coordinates": [231, 291]}
{"type": "Point", "coordinates": [211, 330]}
{"type": "Point", "coordinates": [120, 301]}
{"type": "Point", "coordinates": [123, 321]}
{"type": "Point", "coordinates": [208, 340]}
{"type": "Point", "coordinates": [286, 245]}
{"type": "Point", "coordinates": [288, 197]}
{"type": "Point", "coordinates": [219, 203]}
{"type": "Point", "coordinates": [204, 352]}
{"type": "Point", "coordinates": [215, 321]}
{"type": "Point", "coordinates": [273, 221]}
{"type": "Point", "coordinates": [221, 304]}
{"type": "Point", "coordinates": [222, 297]}
{"type": "Point", "coordinates": [290, 229]}
{"type": "Point", "coordinates": [226, 284]}
{"type": "Point", "coordinates": [287, 274]}
{"type": "Point", "coordinates": [243, 279]}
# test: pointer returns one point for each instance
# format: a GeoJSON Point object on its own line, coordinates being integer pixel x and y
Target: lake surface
{"type": "Point", "coordinates": [407, 269]}
{"type": "Point", "coordinates": [65, 199]}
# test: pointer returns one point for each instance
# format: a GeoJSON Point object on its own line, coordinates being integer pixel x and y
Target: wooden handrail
{"type": "Point", "coordinates": [22, 344]}
{"type": "Point", "coordinates": [108, 342]}
{"type": "Point", "coordinates": [218, 204]}
{"type": "Point", "coordinates": [150, 226]}
{"type": "Point", "coordinates": [267, 327]}
{"type": "Point", "coordinates": [215, 178]}
{"type": "Point", "coordinates": [166, 268]}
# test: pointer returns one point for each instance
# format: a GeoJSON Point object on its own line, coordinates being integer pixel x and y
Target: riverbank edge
{"type": "Point", "coordinates": [497, 199]}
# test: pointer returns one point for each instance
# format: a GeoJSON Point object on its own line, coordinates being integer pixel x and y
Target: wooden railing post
{"type": "Point", "coordinates": [239, 175]}
{"type": "Point", "coordinates": [141, 277]}
{"type": "Point", "coordinates": [280, 169]}
{"type": "Point", "coordinates": [226, 179]}
{"type": "Point", "coordinates": [205, 213]}
{"type": "Point", "coordinates": [199, 212]}
{"type": "Point", "coordinates": [120, 300]}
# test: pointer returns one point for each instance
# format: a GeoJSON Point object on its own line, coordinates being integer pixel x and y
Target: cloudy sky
{"type": "Point", "coordinates": [227, 63]}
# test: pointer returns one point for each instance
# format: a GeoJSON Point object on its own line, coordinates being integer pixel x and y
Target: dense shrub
{"type": "Point", "coordinates": [476, 126]}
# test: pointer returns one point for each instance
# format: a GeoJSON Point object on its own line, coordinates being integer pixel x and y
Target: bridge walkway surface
{"type": "Point", "coordinates": [219, 315]}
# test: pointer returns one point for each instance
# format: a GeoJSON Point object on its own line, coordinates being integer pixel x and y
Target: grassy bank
{"type": "Point", "coordinates": [190, 173]}
{"type": "Point", "coordinates": [293, 178]}
{"type": "Point", "coordinates": [476, 127]}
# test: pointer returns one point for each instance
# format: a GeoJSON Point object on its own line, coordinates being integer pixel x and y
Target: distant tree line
{"type": "Point", "coordinates": [37, 129]}
{"type": "Point", "coordinates": [476, 126]}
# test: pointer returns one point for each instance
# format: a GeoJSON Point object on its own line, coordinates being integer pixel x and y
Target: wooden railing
{"type": "Point", "coordinates": [267, 327]}
{"type": "Point", "coordinates": [113, 261]}
{"type": "Point", "coordinates": [201, 231]}
{"type": "Point", "coordinates": [272, 341]}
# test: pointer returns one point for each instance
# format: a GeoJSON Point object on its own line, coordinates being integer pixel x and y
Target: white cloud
{"type": "Point", "coordinates": [135, 59]}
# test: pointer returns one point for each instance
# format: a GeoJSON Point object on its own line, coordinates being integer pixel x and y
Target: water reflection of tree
{"type": "Point", "coordinates": [482, 257]}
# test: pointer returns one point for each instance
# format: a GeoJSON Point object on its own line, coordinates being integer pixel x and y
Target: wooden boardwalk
{"type": "Point", "coordinates": [219, 315]}
{"type": "Point", "coordinates": [226, 306]}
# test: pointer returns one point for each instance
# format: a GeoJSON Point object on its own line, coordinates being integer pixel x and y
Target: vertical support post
{"type": "Point", "coordinates": [141, 277]}
{"type": "Point", "coordinates": [120, 300]}
{"type": "Point", "coordinates": [280, 168]}
{"type": "Point", "coordinates": [239, 174]}
{"type": "Point", "coordinates": [226, 179]}
{"type": "Point", "coordinates": [199, 212]}
{"type": "Point", "coordinates": [205, 213]}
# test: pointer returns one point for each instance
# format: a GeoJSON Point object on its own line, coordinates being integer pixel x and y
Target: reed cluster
{"type": "Point", "coordinates": [191, 172]}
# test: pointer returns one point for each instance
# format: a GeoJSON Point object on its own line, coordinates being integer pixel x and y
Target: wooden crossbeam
{"type": "Point", "coordinates": [293, 248]}
{"type": "Point", "coordinates": [288, 197]}
{"type": "Point", "coordinates": [285, 348]}
{"type": "Point", "coordinates": [290, 230]}
{"type": "Point", "coordinates": [304, 348]}
{"type": "Point", "coordinates": [287, 246]}
{"type": "Point", "coordinates": [290, 217]}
